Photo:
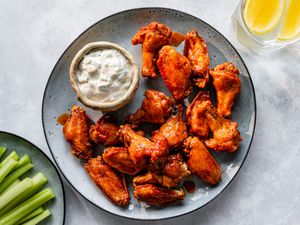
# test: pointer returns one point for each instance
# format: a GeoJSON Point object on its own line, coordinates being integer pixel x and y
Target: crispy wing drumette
{"type": "Point", "coordinates": [170, 176]}
{"type": "Point", "coordinates": [174, 129]}
{"type": "Point", "coordinates": [196, 115]}
{"type": "Point", "coordinates": [148, 178]}
{"type": "Point", "coordinates": [154, 27]}
{"type": "Point", "coordinates": [158, 196]}
{"type": "Point", "coordinates": [111, 182]}
{"type": "Point", "coordinates": [119, 158]}
{"type": "Point", "coordinates": [202, 117]}
{"type": "Point", "coordinates": [201, 162]}
{"type": "Point", "coordinates": [175, 70]}
{"type": "Point", "coordinates": [152, 37]}
{"type": "Point", "coordinates": [195, 49]}
{"type": "Point", "coordinates": [227, 84]}
{"type": "Point", "coordinates": [175, 167]}
{"type": "Point", "coordinates": [142, 151]}
{"type": "Point", "coordinates": [105, 131]}
{"type": "Point", "coordinates": [76, 131]}
{"type": "Point", "coordinates": [156, 107]}
{"type": "Point", "coordinates": [226, 136]}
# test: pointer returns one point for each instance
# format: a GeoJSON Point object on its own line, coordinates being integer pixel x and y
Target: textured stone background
{"type": "Point", "coordinates": [33, 35]}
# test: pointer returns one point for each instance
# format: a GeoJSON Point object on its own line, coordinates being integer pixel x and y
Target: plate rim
{"type": "Point", "coordinates": [52, 163]}
{"type": "Point", "coordinates": [126, 11]}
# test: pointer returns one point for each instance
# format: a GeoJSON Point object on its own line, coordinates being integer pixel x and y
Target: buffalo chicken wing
{"type": "Point", "coordinates": [156, 107]}
{"type": "Point", "coordinates": [111, 182]}
{"type": "Point", "coordinates": [175, 70]}
{"type": "Point", "coordinates": [227, 84]}
{"type": "Point", "coordinates": [155, 195]}
{"type": "Point", "coordinates": [142, 151]}
{"type": "Point", "coordinates": [105, 131]}
{"type": "Point", "coordinates": [202, 117]}
{"type": "Point", "coordinates": [174, 130]}
{"type": "Point", "coordinates": [195, 49]}
{"type": "Point", "coordinates": [170, 176]}
{"type": "Point", "coordinates": [226, 136]}
{"type": "Point", "coordinates": [119, 158]}
{"type": "Point", "coordinates": [201, 162]}
{"type": "Point", "coordinates": [76, 131]}
{"type": "Point", "coordinates": [196, 115]}
{"type": "Point", "coordinates": [152, 37]}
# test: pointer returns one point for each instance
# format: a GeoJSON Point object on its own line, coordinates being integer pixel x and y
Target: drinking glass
{"type": "Point", "coordinates": [254, 41]}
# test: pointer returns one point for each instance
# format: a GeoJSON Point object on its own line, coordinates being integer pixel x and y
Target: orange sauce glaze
{"type": "Point", "coordinates": [62, 119]}
{"type": "Point", "coordinates": [177, 38]}
{"type": "Point", "coordinates": [190, 186]}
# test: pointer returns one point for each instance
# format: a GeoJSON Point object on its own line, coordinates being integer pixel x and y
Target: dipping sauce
{"type": "Point", "coordinates": [190, 186]}
{"type": "Point", "coordinates": [104, 75]}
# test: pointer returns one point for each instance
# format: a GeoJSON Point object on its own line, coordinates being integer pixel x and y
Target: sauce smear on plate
{"type": "Point", "coordinates": [62, 119]}
{"type": "Point", "coordinates": [190, 186]}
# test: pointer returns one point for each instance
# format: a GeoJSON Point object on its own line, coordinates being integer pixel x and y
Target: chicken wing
{"type": "Point", "coordinates": [119, 158]}
{"type": "Point", "coordinates": [170, 176]}
{"type": "Point", "coordinates": [227, 84]}
{"type": "Point", "coordinates": [154, 27]}
{"type": "Point", "coordinates": [175, 70]}
{"type": "Point", "coordinates": [111, 182]}
{"type": "Point", "coordinates": [148, 178]}
{"type": "Point", "coordinates": [201, 162]}
{"type": "Point", "coordinates": [226, 136]}
{"type": "Point", "coordinates": [76, 131]}
{"type": "Point", "coordinates": [156, 107]}
{"type": "Point", "coordinates": [142, 151]}
{"type": "Point", "coordinates": [196, 115]}
{"type": "Point", "coordinates": [174, 130]}
{"type": "Point", "coordinates": [195, 49]}
{"type": "Point", "coordinates": [158, 196]}
{"type": "Point", "coordinates": [175, 167]}
{"type": "Point", "coordinates": [152, 37]}
{"type": "Point", "coordinates": [105, 131]}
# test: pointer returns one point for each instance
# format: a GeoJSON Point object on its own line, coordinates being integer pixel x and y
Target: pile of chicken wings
{"type": "Point", "coordinates": [180, 146]}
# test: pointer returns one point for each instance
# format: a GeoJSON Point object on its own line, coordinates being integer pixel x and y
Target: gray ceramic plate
{"type": "Point", "coordinates": [119, 28]}
{"type": "Point", "coordinates": [42, 164]}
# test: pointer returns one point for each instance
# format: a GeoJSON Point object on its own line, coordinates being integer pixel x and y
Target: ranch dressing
{"type": "Point", "coordinates": [103, 75]}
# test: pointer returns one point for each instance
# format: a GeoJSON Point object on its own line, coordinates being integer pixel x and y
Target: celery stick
{"type": "Point", "coordinates": [24, 160]}
{"type": "Point", "coordinates": [2, 151]}
{"type": "Point", "coordinates": [14, 175]}
{"type": "Point", "coordinates": [12, 155]}
{"type": "Point", "coordinates": [6, 168]}
{"type": "Point", "coordinates": [10, 186]}
{"type": "Point", "coordinates": [38, 181]}
{"type": "Point", "coordinates": [38, 218]}
{"type": "Point", "coordinates": [27, 207]}
{"type": "Point", "coordinates": [15, 192]}
{"type": "Point", "coordinates": [31, 215]}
